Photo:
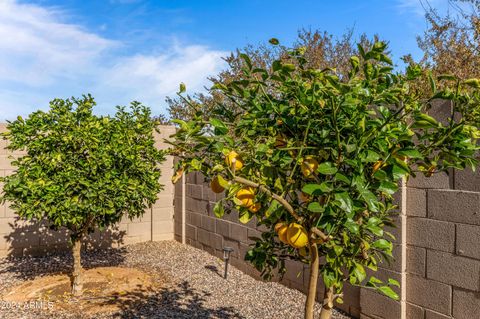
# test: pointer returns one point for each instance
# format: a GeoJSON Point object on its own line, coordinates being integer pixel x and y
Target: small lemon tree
{"type": "Point", "coordinates": [317, 158]}
{"type": "Point", "coordinates": [82, 172]}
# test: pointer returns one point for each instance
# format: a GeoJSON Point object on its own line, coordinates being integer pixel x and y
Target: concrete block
{"type": "Point", "coordinates": [195, 191]}
{"type": "Point", "coordinates": [162, 227]}
{"type": "Point", "coordinates": [208, 223]}
{"type": "Point", "coordinates": [222, 227]}
{"type": "Point", "coordinates": [191, 232]}
{"type": "Point", "coordinates": [164, 213]}
{"type": "Point", "coordinates": [468, 241]}
{"type": "Point", "coordinates": [253, 233]}
{"type": "Point", "coordinates": [416, 260]}
{"type": "Point", "coordinates": [216, 241]}
{"type": "Point", "coordinates": [164, 200]}
{"type": "Point", "coordinates": [467, 180]}
{"type": "Point", "coordinates": [454, 270]}
{"type": "Point", "coordinates": [433, 234]}
{"type": "Point", "coordinates": [455, 206]}
{"type": "Point", "coordinates": [351, 298]}
{"type": "Point", "coordinates": [466, 304]}
{"type": "Point", "coordinates": [414, 311]}
{"type": "Point", "coordinates": [378, 306]}
{"type": "Point", "coordinates": [429, 294]}
{"type": "Point", "coordinates": [195, 219]}
{"type": "Point", "coordinates": [436, 181]}
{"type": "Point", "coordinates": [429, 314]}
{"type": "Point", "coordinates": [239, 233]}
{"type": "Point", "coordinates": [203, 236]}
{"type": "Point", "coordinates": [139, 229]}
{"type": "Point", "coordinates": [416, 202]}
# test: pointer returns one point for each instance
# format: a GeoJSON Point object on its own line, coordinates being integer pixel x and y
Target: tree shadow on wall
{"type": "Point", "coordinates": [35, 249]}
{"type": "Point", "coordinates": [181, 301]}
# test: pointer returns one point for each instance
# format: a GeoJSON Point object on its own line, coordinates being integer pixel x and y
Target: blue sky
{"type": "Point", "coordinates": [124, 50]}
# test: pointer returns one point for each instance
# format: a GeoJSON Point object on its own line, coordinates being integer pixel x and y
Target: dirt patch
{"type": "Point", "coordinates": [106, 289]}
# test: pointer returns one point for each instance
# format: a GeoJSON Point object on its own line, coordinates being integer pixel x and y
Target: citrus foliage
{"type": "Point", "coordinates": [320, 157]}
{"type": "Point", "coordinates": [82, 171]}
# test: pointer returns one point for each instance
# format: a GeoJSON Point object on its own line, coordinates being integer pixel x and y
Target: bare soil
{"type": "Point", "coordinates": [106, 290]}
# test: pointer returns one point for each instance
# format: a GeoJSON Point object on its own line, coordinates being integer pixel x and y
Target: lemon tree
{"type": "Point", "coordinates": [82, 172]}
{"type": "Point", "coordinates": [316, 158]}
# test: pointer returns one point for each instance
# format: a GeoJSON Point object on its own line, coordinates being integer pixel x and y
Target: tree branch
{"type": "Point", "coordinates": [320, 234]}
{"type": "Point", "coordinates": [277, 197]}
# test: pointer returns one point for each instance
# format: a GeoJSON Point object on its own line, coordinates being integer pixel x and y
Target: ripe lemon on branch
{"type": "Point", "coordinates": [309, 166]}
{"type": "Point", "coordinates": [246, 195]}
{"type": "Point", "coordinates": [281, 230]}
{"type": "Point", "coordinates": [297, 236]}
{"type": "Point", "coordinates": [255, 207]}
{"type": "Point", "coordinates": [215, 185]}
{"type": "Point", "coordinates": [234, 161]}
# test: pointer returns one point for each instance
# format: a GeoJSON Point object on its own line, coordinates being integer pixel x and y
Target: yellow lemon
{"type": "Point", "coordinates": [234, 161]}
{"type": "Point", "coordinates": [215, 185]}
{"type": "Point", "coordinates": [297, 236]}
{"type": "Point", "coordinates": [309, 166]}
{"type": "Point", "coordinates": [177, 175]}
{"type": "Point", "coordinates": [255, 207]}
{"type": "Point", "coordinates": [281, 230]}
{"type": "Point", "coordinates": [246, 195]}
{"type": "Point", "coordinates": [378, 164]}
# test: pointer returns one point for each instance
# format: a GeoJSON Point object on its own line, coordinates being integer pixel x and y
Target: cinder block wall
{"type": "Point", "coordinates": [437, 250]}
{"type": "Point", "coordinates": [206, 232]}
{"type": "Point", "coordinates": [443, 273]}
{"type": "Point", "coordinates": [19, 238]}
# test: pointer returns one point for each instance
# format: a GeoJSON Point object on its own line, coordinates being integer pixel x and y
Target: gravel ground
{"type": "Point", "coordinates": [194, 288]}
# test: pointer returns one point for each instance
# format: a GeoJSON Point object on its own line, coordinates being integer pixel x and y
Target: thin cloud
{"type": "Point", "coordinates": [43, 57]}
{"type": "Point", "coordinates": [420, 7]}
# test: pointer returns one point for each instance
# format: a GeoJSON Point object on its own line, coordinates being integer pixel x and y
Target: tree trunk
{"type": "Point", "coordinates": [326, 312]}
{"type": "Point", "coordinates": [312, 283]}
{"type": "Point", "coordinates": [77, 276]}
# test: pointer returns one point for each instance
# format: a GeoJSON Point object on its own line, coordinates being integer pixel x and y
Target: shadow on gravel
{"type": "Point", "coordinates": [36, 250]}
{"type": "Point", "coordinates": [214, 269]}
{"type": "Point", "coordinates": [181, 301]}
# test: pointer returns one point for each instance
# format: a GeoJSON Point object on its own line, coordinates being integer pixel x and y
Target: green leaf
{"type": "Point", "coordinates": [245, 216]}
{"type": "Point", "coordinates": [219, 127]}
{"type": "Point", "coordinates": [393, 282]}
{"type": "Point", "coordinates": [352, 226]}
{"type": "Point", "coordinates": [316, 189]}
{"type": "Point", "coordinates": [446, 77]}
{"type": "Point", "coordinates": [359, 272]}
{"type": "Point", "coordinates": [474, 83]}
{"type": "Point", "coordinates": [274, 205]}
{"type": "Point", "coordinates": [344, 200]}
{"type": "Point", "coordinates": [376, 230]}
{"type": "Point", "coordinates": [182, 88]}
{"type": "Point", "coordinates": [274, 41]}
{"type": "Point", "coordinates": [410, 152]}
{"type": "Point", "coordinates": [278, 184]}
{"type": "Point", "coordinates": [388, 187]}
{"type": "Point", "coordinates": [327, 168]}
{"type": "Point", "coordinates": [371, 156]}
{"type": "Point", "coordinates": [433, 85]}
{"type": "Point", "coordinates": [374, 280]}
{"type": "Point", "coordinates": [218, 209]}
{"type": "Point", "coordinates": [329, 278]}
{"type": "Point", "coordinates": [223, 182]}
{"type": "Point", "coordinates": [387, 291]}
{"type": "Point", "coordinates": [196, 164]}
{"type": "Point", "coordinates": [383, 244]}
{"type": "Point", "coordinates": [315, 207]}
{"type": "Point", "coordinates": [342, 178]}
